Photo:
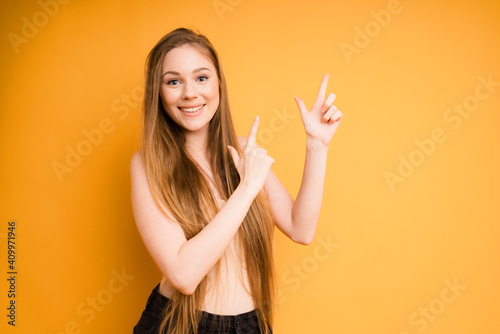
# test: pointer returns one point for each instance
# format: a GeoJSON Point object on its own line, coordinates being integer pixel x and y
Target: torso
{"type": "Point", "coordinates": [230, 296]}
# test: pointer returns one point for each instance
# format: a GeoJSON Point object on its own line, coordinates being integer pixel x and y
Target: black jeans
{"type": "Point", "coordinates": [149, 323]}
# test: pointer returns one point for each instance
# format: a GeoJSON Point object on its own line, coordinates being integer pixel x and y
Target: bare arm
{"type": "Point", "coordinates": [185, 263]}
{"type": "Point", "coordinates": [306, 209]}
{"type": "Point", "coordinates": [320, 123]}
{"type": "Point", "coordinates": [298, 218]}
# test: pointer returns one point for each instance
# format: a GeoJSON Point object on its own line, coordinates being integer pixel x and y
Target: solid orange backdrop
{"type": "Point", "coordinates": [407, 240]}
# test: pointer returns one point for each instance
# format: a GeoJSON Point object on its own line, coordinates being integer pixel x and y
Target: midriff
{"type": "Point", "coordinates": [231, 295]}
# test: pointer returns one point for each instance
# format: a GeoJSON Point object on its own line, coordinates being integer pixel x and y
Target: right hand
{"type": "Point", "coordinates": [255, 164]}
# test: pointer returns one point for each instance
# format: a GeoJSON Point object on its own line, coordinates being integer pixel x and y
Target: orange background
{"type": "Point", "coordinates": [397, 248]}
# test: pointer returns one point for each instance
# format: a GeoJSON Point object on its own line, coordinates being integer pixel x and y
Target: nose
{"type": "Point", "coordinates": [189, 91]}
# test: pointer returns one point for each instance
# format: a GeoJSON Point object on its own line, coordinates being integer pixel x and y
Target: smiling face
{"type": "Point", "coordinates": [189, 88]}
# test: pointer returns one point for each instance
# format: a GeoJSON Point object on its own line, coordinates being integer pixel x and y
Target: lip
{"type": "Point", "coordinates": [192, 105]}
{"type": "Point", "coordinates": [192, 114]}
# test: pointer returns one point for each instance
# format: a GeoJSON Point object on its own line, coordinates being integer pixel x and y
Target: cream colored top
{"type": "Point", "coordinates": [232, 294]}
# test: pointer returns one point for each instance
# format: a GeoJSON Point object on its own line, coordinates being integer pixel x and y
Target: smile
{"type": "Point", "coordinates": [191, 110]}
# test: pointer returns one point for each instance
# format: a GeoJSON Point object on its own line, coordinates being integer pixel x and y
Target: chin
{"type": "Point", "coordinates": [195, 127]}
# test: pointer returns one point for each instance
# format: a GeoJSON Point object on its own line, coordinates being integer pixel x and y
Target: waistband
{"type": "Point", "coordinates": [157, 301]}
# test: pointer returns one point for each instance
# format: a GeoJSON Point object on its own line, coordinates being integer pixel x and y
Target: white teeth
{"type": "Point", "coordinates": [191, 109]}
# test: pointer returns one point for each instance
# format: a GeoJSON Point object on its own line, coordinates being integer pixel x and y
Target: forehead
{"type": "Point", "coordinates": [185, 59]}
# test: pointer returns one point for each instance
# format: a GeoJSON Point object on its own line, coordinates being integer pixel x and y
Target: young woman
{"type": "Point", "coordinates": [206, 201]}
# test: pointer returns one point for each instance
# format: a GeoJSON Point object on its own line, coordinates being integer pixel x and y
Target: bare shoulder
{"type": "Point", "coordinates": [137, 168]}
{"type": "Point", "coordinates": [141, 191]}
{"type": "Point", "coordinates": [136, 160]}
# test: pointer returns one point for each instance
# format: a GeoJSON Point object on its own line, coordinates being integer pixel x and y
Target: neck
{"type": "Point", "coordinates": [196, 145]}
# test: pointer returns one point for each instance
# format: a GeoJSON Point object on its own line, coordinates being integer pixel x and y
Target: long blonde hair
{"type": "Point", "coordinates": [177, 182]}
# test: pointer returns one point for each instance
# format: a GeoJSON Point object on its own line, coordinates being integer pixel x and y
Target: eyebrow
{"type": "Point", "coordinates": [177, 73]}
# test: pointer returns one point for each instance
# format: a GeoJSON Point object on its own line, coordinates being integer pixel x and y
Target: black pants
{"type": "Point", "coordinates": [149, 323]}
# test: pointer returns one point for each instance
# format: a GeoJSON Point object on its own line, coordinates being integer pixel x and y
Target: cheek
{"type": "Point", "coordinates": [167, 97]}
{"type": "Point", "coordinates": [214, 92]}
{"type": "Point", "coordinates": [166, 101]}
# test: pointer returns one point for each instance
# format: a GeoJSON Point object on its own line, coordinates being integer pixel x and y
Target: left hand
{"type": "Point", "coordinates": [323, 119]}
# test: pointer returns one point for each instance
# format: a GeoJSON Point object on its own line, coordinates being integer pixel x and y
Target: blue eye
{"type": "Point", "coordinates": [171, 82]}
{"type": "Point", "coordinates": [203, 78]}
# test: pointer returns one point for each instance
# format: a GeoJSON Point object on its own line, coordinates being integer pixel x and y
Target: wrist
{"type": "Point", "coordinates": [313, 144]}
{"type": "Point", "coordinates": [247, 190]}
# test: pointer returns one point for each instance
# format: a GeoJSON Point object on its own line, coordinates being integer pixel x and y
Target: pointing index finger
{"type": "Point", "coordinates": [253, 133]}
{"type": "Point", "coordinates": [322, 92]}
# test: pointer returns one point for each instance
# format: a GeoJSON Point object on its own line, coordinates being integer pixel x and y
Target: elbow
{"type": "Point", "coordinates": [304, 240]}
{"type": "Point", "coordinates": [304, 237]}
{"type": "Point", "coordinates": [185, 288]}
{"type": "Point", "coordinates": [184, 283]}
{"type": "Point", "coordinates": [304, 231]}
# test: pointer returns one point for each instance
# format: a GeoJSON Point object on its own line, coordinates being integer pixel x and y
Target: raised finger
{"type": "Point", "coordinates": [253, 133]}
{"type": "Point", "coordinates": [322, 92]}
